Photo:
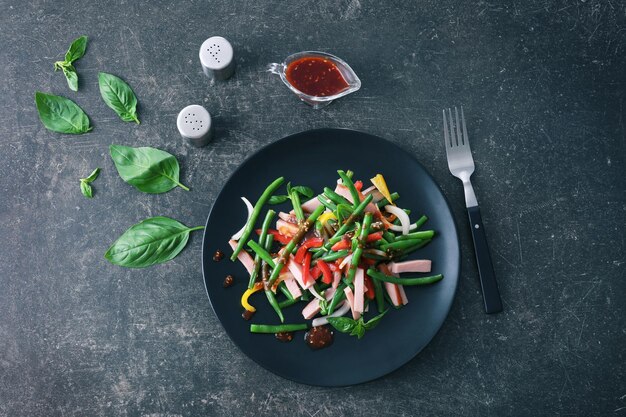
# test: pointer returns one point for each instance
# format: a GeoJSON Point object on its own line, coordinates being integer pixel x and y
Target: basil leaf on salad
{"type": "Point", "coordinates": [61, 114]}
{"type": "Point", "coordinates": [118, 96]}
{"type": "Point", "coordinates": [149, 170]}
{"type": "Point", "coordinates": [342, 324]}
{"type": "Point", "coordinates": [278, 199]}
{"type": "Point", "coordinates": [154, 240]}
{"type": "Point", "coordinates": [370, 324]}
{"type": "Point", "coordinates": [305, 191]}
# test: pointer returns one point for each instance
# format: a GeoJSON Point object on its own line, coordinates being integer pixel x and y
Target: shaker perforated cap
{"type": "Point", "coordinates": [217, 58]}
{"type": "Point", "coordinates": [194, 124]}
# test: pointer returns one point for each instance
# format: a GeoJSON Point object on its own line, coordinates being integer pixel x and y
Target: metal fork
{"type": "Point", "coordinates": [461, 165]}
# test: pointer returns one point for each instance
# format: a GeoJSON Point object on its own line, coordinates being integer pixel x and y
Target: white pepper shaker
{"type": "Point", "coordinates": [195, 125]}
{"type": "Point", "coordinates": [217, 58]}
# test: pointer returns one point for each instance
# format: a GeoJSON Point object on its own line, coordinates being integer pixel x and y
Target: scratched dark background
{"type": "Point", "coordinates": [543, 84]}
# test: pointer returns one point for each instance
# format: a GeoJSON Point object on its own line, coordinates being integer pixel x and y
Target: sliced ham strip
{"type": "Point", "coordinates": [395, 291]}
{"type": "Point", "coordinates": [296, 270]}
{"type": "Point", "coordinates": [288, 217]}
{"type": "Point", "coordinates": [336, 279]}
{"type": "Point", "coordinates": [359, 290]}
{"type": "Point", "coordinates": [350, 299]}
{"type": "Point", "coordinates": [243, 256]}
{"type": "Point", "coordinates": [420, 265]}
{"type": "Point", "coordinates": [311, 309]}
{"type": "Point", "coordinates": [343, 191]}
{"type": "Point", "coordinates": [311, 205]}
{"type": "Point", "coordinates": [286, 228]}
{"type": "Point", "coordinates": [291, 284]}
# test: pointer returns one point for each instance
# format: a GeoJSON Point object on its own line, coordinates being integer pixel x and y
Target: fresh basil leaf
{"type": "Point", "coordinates": [61, 114]}
{"type": "Point", "coordinates": [359, 329]}
{"type": "Point", "coordinates": [76, 50]}
{"type": "Point", "coordinates": [323, 307]}
{"type": "Point", "coordinates": [278, 199]}
{"type": "Point", "coordinates": [152, 241]}
{"type": "Point", "coordinates": [85, 188]}
{"type": "Point", "coordinates": [92, 177]}
{"type": "Point", "coordinates": [374, 321]}
{"type": "Point", "coordinates": [342, 324]}
{"type": "Point", "coordinates": [72, 78]}
{"type": "Point", "coordinates": [150, 170]}
{"type": "Point", "coordinates": [119, 96]}
{"type": "Point", "coordinates": [305, 191]}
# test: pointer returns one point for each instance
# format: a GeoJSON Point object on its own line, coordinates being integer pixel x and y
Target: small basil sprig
{"type": "Point", "coordinates": [85, 183]}
{"type": "Point", "coordinates": [279, 199]}
{"type": "Point", "coordinates": [149, 170]}
{"type": "Point", "coordinates": [119, 96]}
{"type": "Point", "coordinates": [355, 327]}
{"type": "Point", "coordinates": [75, 51]}
{"type": "Point", "coordinates": [61, 114]}
{"type": "Point", "coordinates": [152, 241]}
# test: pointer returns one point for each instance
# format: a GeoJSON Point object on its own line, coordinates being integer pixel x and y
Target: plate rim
{"type": "Point", "coordinates": [284, 139]}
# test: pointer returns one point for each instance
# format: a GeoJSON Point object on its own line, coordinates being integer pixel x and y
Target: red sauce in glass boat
{"type": "Point", "coordinates": [316, 76]}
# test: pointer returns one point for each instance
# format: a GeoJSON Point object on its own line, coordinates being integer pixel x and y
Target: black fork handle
{"type": "Point", "coordinates": [491, 294]}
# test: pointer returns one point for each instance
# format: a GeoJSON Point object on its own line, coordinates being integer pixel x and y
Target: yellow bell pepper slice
{"type": "Point", "coordinates": [327, 216]}
{"type": "Point", "coordinates": [244, 298]}
{"type": "Point", "coordinates": [380, 183]}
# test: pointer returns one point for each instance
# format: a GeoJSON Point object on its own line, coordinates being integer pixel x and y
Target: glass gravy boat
{"type": "Point", "coordinates": [318, 101]}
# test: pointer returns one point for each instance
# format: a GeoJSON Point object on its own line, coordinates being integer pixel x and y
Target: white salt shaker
{"type": "Point", "coordinates": [194, 124]}
{"type": "Point", "coordinates": [217, 58]}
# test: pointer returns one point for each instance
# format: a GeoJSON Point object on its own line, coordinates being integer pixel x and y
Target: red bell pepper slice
{"type": "Point", "coordinates": [369, 288]}
{"type": "Point", "coordinates": [327, 274]}
{"type": "Point", "coordinates": [358, 185]}
{"type": "Point", "coordinates": [278, 237]}
{"type": "Point", "coordinates": [315, 273]}
{"type": "Point", "coordinates": [373, 237]}
{"type": "Point", "coordinates": [306, 266]}
{"type": "Point", "coordinates": [315, 242]}
{"type": "Point", "coordinates": [342, 244]}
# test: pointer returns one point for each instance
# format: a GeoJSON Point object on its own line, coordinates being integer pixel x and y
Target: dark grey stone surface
{"type": "Point", "coordinates": [543, 86]}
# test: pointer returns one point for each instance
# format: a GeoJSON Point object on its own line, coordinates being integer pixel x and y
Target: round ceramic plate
{"type": "Point", "coordinates": [312, 158]}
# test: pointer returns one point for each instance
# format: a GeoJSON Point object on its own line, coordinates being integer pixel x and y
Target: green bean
{"type": "Point", "coordinates": [337, 297]}
{"type": "Point", "coordinates": [404, 281]}
{"type": "Point", "coordinates": [389, 237]}
{"type": "Point", "coordinates": [384, 202]}
{"type": "Point", "coordinates": [319, 227]}
{"type": "Point", "coordinates": [327, 203]}
{"type": "Point", "coordinates": [269, 328]}
{"type": "Point", "coordinates": [360, 241]}
{"type": "Point", "coordinates": [283, 288]}
{"type": "Point", "coordinates": [274, 303]}
{"type": "Point", "coordinates": [302, 230]}
{"type": "Point", "coordinates": [262, 238]}
{"type": "Point", "coordinates": [374, 256]}
{"type": "Point", "coordinates": [420, 222]}
{"type": "Point", "coordinates": [334, 197]}
{"type": "Point", "coordinates": [255, 214]}
{"type": "Point", "coordinates": [271, 298]}
{"type": "Point", "coordinates": [346, 225]}
{"type": "Point", "coordinates": [287, 303]}
{"type": "Point", "coordinates": [378, 291]}
{"type": "Point", "coordinates": [426, 234]}
{"type": "Point", "coordinates": [347, 181]}
{"type": "Point", "coordinates": [401, 244]}
{"type": "Point", "coordinates": [294, 196]}
{"type": "Point", "coordinates": [262, 253]}
{"type": "Point", "coordinates": [416, 246]}
{"type": "Point", "coordinates": [333, 256]}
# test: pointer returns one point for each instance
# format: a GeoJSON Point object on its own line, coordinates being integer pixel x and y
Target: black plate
{"type": "Point", "coordinates": [311, 158]}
